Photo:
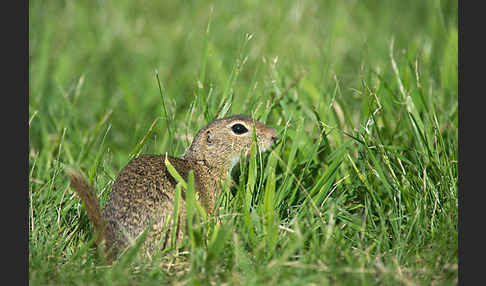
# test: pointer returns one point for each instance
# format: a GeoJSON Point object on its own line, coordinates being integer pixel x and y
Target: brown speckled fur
{"type": "Point", "coordinates": [143, 193]}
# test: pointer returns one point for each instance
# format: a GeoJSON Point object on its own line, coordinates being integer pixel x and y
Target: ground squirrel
{"type": "Point", "coordinates": [144, 191]}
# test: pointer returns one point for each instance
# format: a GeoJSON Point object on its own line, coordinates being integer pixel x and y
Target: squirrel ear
{"type": "Point", "coordinates": [208, 137]}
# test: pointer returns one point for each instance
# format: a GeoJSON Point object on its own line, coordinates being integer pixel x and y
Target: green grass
{"type": "Point", "coordinates": [361, 187]}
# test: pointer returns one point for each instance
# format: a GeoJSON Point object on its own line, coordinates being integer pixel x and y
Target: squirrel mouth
{"type": "Point", "coordinates": [266, 144]}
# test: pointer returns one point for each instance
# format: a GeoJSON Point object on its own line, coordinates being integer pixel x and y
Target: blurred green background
{"type": "Point", "coordinates": [116, 46]}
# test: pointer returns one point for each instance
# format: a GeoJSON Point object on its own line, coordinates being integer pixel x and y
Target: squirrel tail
{"type": "Point", "coordinates": [91, 203]}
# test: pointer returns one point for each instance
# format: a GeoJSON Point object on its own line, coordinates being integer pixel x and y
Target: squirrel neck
{"type": "Point", "coordinates": [216, 165]}
{"type": "Point", "coordinates": [211, 176]}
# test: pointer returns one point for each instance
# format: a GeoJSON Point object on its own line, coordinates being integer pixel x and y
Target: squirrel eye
{"type": "Point", "coordinates": [239, 128]}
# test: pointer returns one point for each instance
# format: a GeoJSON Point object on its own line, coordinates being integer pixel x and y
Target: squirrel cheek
{"type": "Point", "coordinates": [262, 144]}
{"type": "Point", "coordinates": [234, 161]}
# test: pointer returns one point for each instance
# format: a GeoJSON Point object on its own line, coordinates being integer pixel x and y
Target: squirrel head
{"type": "Point", "coordinates": [221, 142]}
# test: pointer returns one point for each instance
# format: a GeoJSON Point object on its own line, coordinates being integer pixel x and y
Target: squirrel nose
{"type": "Point", "coordinates": [273, 134]}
